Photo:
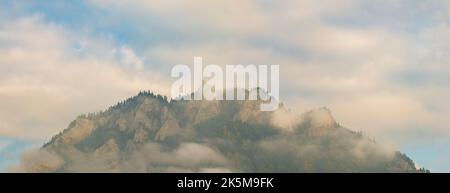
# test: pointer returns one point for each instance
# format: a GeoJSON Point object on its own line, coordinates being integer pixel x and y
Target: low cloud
{"type": "Point", "coordinates": [36, 161]}
{"type": "Point", "coordinates": [152, 157]}
{"type": "Point", "coordinates": [285, 119]}
{"type": "Point", "coordinates": [191, 157]}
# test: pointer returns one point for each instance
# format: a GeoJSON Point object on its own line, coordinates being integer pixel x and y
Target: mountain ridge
{"type": "Point", "coordinates": [149, 133]}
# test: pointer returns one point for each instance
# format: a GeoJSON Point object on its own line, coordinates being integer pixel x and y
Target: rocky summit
{"type": "Point", "coordinates": [148, 133]}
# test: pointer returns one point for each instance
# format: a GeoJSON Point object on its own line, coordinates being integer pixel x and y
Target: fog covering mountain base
{"type": "Point", "coordinates": [148, 133]}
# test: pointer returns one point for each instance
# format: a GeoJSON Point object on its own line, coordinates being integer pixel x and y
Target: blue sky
{"type": "Point", "coordinates": [380, 66]}
{"type": "Point", "coordinates": [11, 149]}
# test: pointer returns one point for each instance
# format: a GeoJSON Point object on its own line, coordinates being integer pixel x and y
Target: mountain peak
{"type": "Point", "coordinates": [320, 118]}
{"type": "Point", "coordinates": [147, 133]}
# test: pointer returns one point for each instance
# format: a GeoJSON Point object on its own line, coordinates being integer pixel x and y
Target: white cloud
{"type": "Point", "coordinates": [45, 83]}
{"type": "Point", "coordinates": [127, 57]}
{"type": "Point", "coordinates": [377, 113]}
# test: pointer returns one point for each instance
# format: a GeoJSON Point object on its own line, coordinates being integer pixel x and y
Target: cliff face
{"type": "Point", "coordinates": [146, 133]}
